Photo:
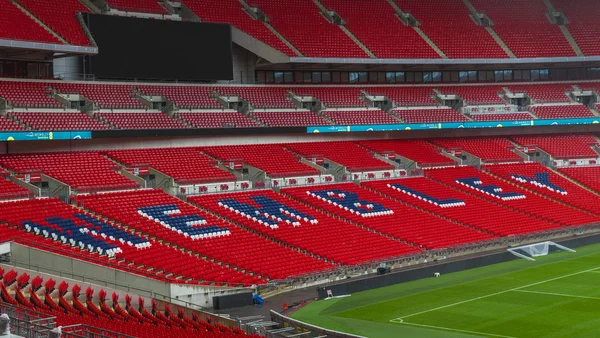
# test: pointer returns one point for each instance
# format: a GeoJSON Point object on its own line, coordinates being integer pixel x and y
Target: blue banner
{"type": "Point", "coordinates": [451, 125]}
{"type": "Point", "coordinates": [44, 135]}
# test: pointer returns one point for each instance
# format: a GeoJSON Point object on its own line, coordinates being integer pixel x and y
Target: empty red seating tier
{"type": "Point", "coordinates": [476, 94]}
{"type": "Point", "coordinates": [313, 35]}
{"type": "Point", "coordinates": [562, 189]}
{"type": "Point", "coordinates": [10, 190]}
{"type": "Point", "coordinates": [430, 115]}
{"type": "Point", "coordinates": [16, 25]}
{"type": "Point", "coordinates": [559, 112]}
{"type": "Point", "coordinates": [354, 117]}
{"type": "Point", "coordinates": [218, 120]}
{"type": "Point", "coordinates": [184, 97]}
{"type": "Point", "coordinates": [583, 23]}
{"type": "Point", "coordinates": [433, 19]}
{"type": "Point", "coordinates": [230, 11]}
{"type": "Point", "coordinates": [474, 213]}
{"type": "Point", "coordinates": [61, 17]}
{"type": "Point", "coordinates": [27, 94]}
{"type": "Point", "coordinates": [185, 165]}
{"type": "Point", "coordinates": [490, 149]}
{"type": "Point", "coordinates": [588, 176]}
{"type": "Point", "coordinates": [562, 146]}
{"type": "Point", "coordinates": [141, 120]}
{"type": "Point", "coordinates": [354, 157]}
{"type": "Point", "coordinates": [329, 238]}
{"type": "Point", "coordinates": [243, 249]}
{"type": "Point", "coordinates": [107, 96]}
{"type": "Point", "coordinates": [291, 119]}
{"type": "Point", "coordinates": [83, 171]}
{"type": "Point", "coordinates": [420, 151]}
{"type": "Point", "coordinates": [259, 97]}
{"type": "Point", "coordinates": [406, 96]}
{"type": "Point", "coordinates": [518, 199]}
{"type": "Point", "coordinates": [157, 261]}
{"type": "Point", "coordinates": [333, 97]}
{"type": "Point", "coordinates": [393, 40]}
{"type": "Point", "coordinates": [270, 158]}
{"type": "Point", "coordinates": [56, 121]}
{"type": "Point", "coordinates": [524, 27]}
{"type": "Point", "coordinates": [411, 225]}
{"type": "Point", "coordinates": [7, 124]}
{"type": "Point", "coordinates": [544, 93]}
{"type": "Point", "coordinates": [140, 6]}
{"type": "Point", "coordinates": [501, 117]}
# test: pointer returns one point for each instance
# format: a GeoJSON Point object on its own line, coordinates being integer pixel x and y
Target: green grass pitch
{"type": "Point", "coordinates": [556, 296]}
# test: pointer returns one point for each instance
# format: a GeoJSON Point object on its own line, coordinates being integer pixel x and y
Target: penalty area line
{"type": "Point", "coordinates": [401, 321]}
{"type": "Point", "coordinates": [557, 294]}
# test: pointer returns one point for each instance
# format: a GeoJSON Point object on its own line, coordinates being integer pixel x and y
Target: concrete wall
{"type": "Point", "coordinates": [69, 68]}
{"type": "Point", "coordinates": [201, 296]}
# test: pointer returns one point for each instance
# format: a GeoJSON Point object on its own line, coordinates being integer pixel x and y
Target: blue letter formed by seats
{"type": "Point", "coordinates": [93, 235]}
{"type": "Point", "coordinates": [442, 203]}
{"type": "Point", "coordinates": [351, 202]}
{"type": "Point", "coordinates": [270, 213]}
{"type": "Point", "coordinates": [493, 190]}
{"type": "Point", "coordinates": [191, 226]}
{"type": "Point", "coordinates": [541, 180]}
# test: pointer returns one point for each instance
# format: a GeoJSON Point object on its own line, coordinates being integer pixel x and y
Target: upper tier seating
{"type": "Point", "coordinates": [184, 97]}
{"type": "Point", "coordinates": [34, 297]}
{"type": "Point", "coordinates": [141, 120]}
{"type": "Point", "coordinates": [333, 96]}
{"type": "Point", "coordinates": [476, 94]}
{"type": "Point", "coordinates": [60, 16]}
{"type": "Point", "coordinates": [490, 188]}
{"type": "Point", "coordinates": [559, 112]}
{"type": "Point", "coordinates": [57, 121]}
{"type": "Point", "coordinates": [353, 117]}
{"type": "Point", "coordinates": [259, 97]}
{"type": "Point", "coordinates": [143, 256]}
{"type": "Point", "coordinates": [218, 120]}
{"type": "Point", "coordinates": [561, 146]}
{"type": "Point", "coordinates": [406, 96]}
{"type": "Point", "coordinates": [433, 18]}
{"type": "Point", "coordinates": [362, 16]}
{"type": "Point", "coordinates": [492, 149]}
{"type": "Point", "coordinates": [6, 124]}
{"type": "Point", "coordinates": [270, 158]}
{"type": "Point", "coordinates": [10, 190]}
{"type": "Point", "coordinates": [384, 215]}
{"type": "Point", "coordinates": [313, 35]}
{"type": "Point", "coordinates": [502, 117]}
{"type": "Point", "coordinates": [183, 164]}
{"type": "Point", "coordinates": [218, 239]}
{"type": "Point", "coordinates": [291, 119]}
{"type": "Point", "coordinates": [310, 230]}
{"type": "Point", "coordinates": [455, 205]}
{"type": "Point", "coordinates": [230, 11]}
{"type": "Point", "coordinates": [544, 93]}
{"type": "Point", "coordinates": [524, 27]}
{"type": "Point", "coordinates": [16, 25]}
{"type": "Point", "coordinates": [27, 94]}
{"type": "Point", "coordinates": [583, 23]}
{"type": "Point", "coordinates": [430, 115]}
{"type": "Point", "coordinates": [140, 6]}
{"type": "Point", "coordinates": [534, 176]}
{"type": "Point", "coordinates": [420, 151]}
{"type": "Point", "coordinates": [108, 96]}
{"type": "Point", "coordinates": [589, 176]}
{"type": "Point", "coordinates": [348, 154]}
{"type": "Point", "coordinates": [83, 171]}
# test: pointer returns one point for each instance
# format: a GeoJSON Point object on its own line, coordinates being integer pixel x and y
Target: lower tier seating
{"type": "Point", "coordinates": [302, 227]}
{"type": "Point", "coordinates": [490, 188]}
{"type": "Point", "coordinates": [561, 146]}
{"type": "Point", "coordinates": [588, 176]}
{"type": "Point", "coordinates": [10, 190]}
{"type": "Point", "coordinates": [562, 112]}
{"type": "Point", "coordinates": [59, 121]}
{"type": "Point", "coordinates": [291, 119]}
{"type": "Point", "coordinates": [470, 211]}
{"type": "Point", "coordinates": [140, 120]}
{"type": "Point", "coordinates": [7, 124]}
{"type": "Point", "coordinates": [430, 115]}
{"type": "Point", "coordinates": [489, 149]}
{"type": "Point", "coordinates": [360, 206]}
{"type": "Point", "coordinates": [354, 117]}
{"type": "Point", "coordinates": [218, 120]}
{"type": "Point", "coordinates": [502, 117]}
{"type": "Point", "coordinates": [174, 222]}
{"type": "Point", "coordinates": [424, 153]}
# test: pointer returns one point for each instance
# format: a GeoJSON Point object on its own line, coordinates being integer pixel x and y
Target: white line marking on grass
{"type": "Point", "coordinates": [558, 294]}
{"type": "Point", "coordinates": [495, 294]}
{"type": "Point", "coordinates": [454, 330]}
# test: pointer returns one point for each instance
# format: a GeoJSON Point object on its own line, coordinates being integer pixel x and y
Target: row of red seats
{"type": "Point", "coordinates": [583, 24]}
{"type": "Point", "coordinates": [562, 146]}
{"type": "Point", "coordinates": [57, 121]}
{"type": "Point", "coordinates": [430, 115]}
{"type": "Point", "coordinates": [328, 237]}
{"type": "Point", "coordinates": [240, 248]}
{"type": "Point", "coordinates": [400, 221]}
{"type": "Point", "coordinates": [8, 124]}
{"type": "Point", "coordinates": [141, 120]}
{"type": "Point", "coordinates": [561, 112]}
{"type": "Point", "coordinates": [501, 117]}
{"type": "Point", "coordinates": [354, 117]}
{"type": "Point", "coordinates": [291, 119]}
{"type": "Point", "coordinates": [16, 25]}
{"type": "Point", "coordinates": [141, 6]}
{"type": "Point", "coordinates": [489, 149]}
{"type": "Point", "coordinates": [588, 176]}
{"type": "Point", "coordinates": [218, 120]}
{"type": "Point", "coordinates": [10, 190]}
{"type": "Point", "coordinates": [424, 153]}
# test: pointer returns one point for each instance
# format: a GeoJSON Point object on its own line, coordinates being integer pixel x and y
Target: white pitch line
{"type": "Point", "coordinates": [558, 294]}
{"type": "Point", "coordinates": [497, 293]}
{"type": "Point", "coordinates": [455, 330]}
